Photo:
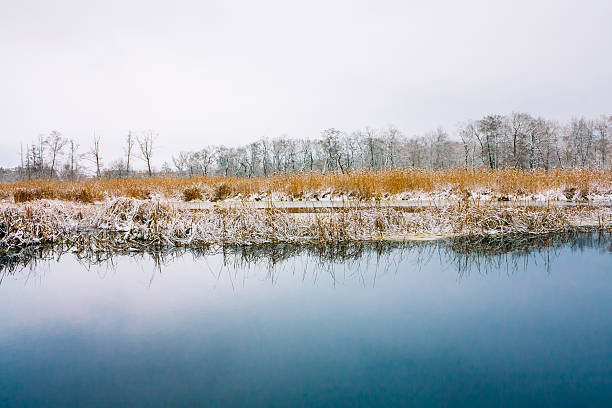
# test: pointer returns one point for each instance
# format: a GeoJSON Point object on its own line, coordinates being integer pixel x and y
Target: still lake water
{"type": "Point", "coordinates": [418, 326]}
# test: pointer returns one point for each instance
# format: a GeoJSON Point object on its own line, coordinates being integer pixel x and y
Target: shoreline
{"type": "Point", "coordinates": [122, 223]}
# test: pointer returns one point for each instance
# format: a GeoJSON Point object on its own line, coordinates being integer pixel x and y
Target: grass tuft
{"type": "Point", "coordinates": [192, 193]}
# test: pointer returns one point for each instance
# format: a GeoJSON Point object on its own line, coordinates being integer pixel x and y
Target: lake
{"type": "Point", "coordinates": [525, 322]}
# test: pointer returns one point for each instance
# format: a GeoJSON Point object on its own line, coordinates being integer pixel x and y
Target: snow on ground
{"type": "Point", "coordinates": [121, 224]}
{"type": "Point", "coordinates": [447, 196]}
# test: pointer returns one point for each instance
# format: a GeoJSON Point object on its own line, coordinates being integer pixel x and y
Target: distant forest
{"type": "Point", "coordinates": [518, 140]}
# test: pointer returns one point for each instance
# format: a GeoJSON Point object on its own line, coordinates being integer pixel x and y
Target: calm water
{"type": "Point", "coordinates": [420, 326]}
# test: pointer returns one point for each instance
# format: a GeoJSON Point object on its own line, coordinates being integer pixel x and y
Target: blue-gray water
{"type": "Point", "coordinates": [416, 327]}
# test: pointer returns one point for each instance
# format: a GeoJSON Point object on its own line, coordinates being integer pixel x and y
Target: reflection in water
{"type": "Point", "coordinates": [365, 324]}
{"type": "Point", "coordinates": [483, 255]}
{"type": "Point", "coordinates": [366, 261]}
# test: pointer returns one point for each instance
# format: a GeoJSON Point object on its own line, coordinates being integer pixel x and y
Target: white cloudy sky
{"type": "Point", "coordinates": [209, 72]}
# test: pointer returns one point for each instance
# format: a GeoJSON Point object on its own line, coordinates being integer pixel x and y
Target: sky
{"type": "Point", "coordinates": [229, 72]}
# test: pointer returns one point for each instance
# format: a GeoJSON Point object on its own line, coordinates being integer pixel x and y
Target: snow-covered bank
{"type": "Point", "coordinates": [123, 224]}
{"type": "Point", "coordinates": [448, 195]}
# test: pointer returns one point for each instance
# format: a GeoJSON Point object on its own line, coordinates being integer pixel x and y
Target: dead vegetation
{"type": "Point", "coordinates": [359, 185]}
{"type": "Point", "coordinates": [134, 213]}
{"type": "Point", "coordinates": [192, 193]}
{"type": "Point", "coordinates": [123, 224]}
{"type": "Point", "coordinates": [82, 194]}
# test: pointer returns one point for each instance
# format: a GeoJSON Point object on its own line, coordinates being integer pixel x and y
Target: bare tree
{"type": "Point", "coordinates": [603, 128]}
{"type": "Point", "coordinates": [95, 155]}
{"type": "Point", "coordinates": [265, 156]}
{"type": "Point", "coordinates": [205, 159]}
{"type": "Point", "coordinates": [370, 144]}
{"type": "Point", "coordinates": [180, 162]}
{"type": "Point", "coordinates": [224, 157]}
{"type": "Point", "coordinates": [307, 155]}
{"type": "Point", "coordinates": [489, 129]}
{"type": "Point", "coordinates": [145, 143]}
{"type": "Point", "coordinates": [330, 143]}
{"type": "Point", "coordinates": [73, 162]}
{"type": "Point", "coordinates": [278, 147]}
{"type": "Point", "coordinates": [56, 144]}
{"type": "Point", "coordinates": [467, 133]}
{"type": "Point", "coordinates": [115, 169]}
{"type": "Point", "coordinates": [517, 140]}
{"type": "Point", "coordinates": [521, 130]}
{"type": "Point", "coordinates": [254, 151]}
{"type": "Point", "coordinates": [350, 149]}
{"type": "Point", "coordinates": [41, 152]}
{"type": "Point", "coordinates": [391, 139]}
{"type": "Point", "coordinates": [439, 148]}
{"type": "Point", "coordinates": [21, 168]}
{"type": "Point", "coordinates": [129, 145]}
{"type": "Point", "coordinates": [578, 137]}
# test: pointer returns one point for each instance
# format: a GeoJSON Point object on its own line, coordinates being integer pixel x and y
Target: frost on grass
{"type": "Point", "coordinates": [124, 223]}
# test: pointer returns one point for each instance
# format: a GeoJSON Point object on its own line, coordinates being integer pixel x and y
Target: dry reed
{"type": "Point", "coordinates": [574, 183]}
{"type": "Point", "coordinates": [121, 224]}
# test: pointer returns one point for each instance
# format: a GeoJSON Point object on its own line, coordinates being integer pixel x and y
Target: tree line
{"type": "Point", "coordinates": [518, 140]}
{"type": "Point", "coordinates": [53, 156]}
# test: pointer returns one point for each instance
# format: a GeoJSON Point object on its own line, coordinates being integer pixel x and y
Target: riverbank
{"type": "Point", "coordinates": [123, 224]}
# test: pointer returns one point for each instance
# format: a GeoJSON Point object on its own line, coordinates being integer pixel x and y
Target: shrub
{"type": "Point", "coordinates": [222, 191]}
{"type": "Point", "coordinates": [192, 193]}
{"type": "Point", "coordinates": [138, 192]}
{"type": "Point", "coordinates": [21, 195]}
{"type": "Point", "coordinates": [85, 196]}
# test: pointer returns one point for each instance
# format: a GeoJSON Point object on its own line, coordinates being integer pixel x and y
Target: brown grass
{"type": "Point", "coordinates": [122, 224]}
{"type": "Point", "coordinates": [83, 194]}
{"type": "Point", "coordinates": [222, 191]}
{"type": "Point", "coordinates": [358, 184]}
{"type": "Point", "coordinates": [192, 193]}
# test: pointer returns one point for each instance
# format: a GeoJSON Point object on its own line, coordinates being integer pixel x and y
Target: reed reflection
{"type": "Point", "coordinates": [351, 262]}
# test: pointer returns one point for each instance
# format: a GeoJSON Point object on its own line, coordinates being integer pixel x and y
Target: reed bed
{"type": "Point", "coordinates": [573, 183]}
{"type": "Point", "coordinates": [124, 224]}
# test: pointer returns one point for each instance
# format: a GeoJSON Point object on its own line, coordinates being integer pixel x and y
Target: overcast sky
{"type": "Point", "coordinates": [209, 72]}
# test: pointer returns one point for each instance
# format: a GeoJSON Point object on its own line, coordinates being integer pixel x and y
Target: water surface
{"type": "Point", "coordinates": [441, 324]}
